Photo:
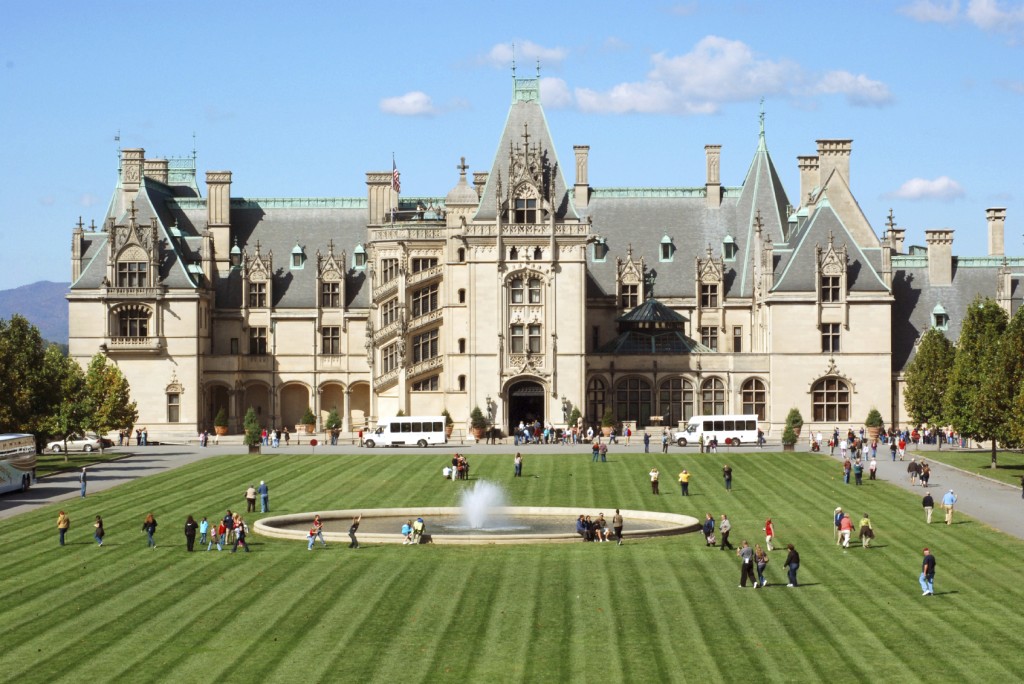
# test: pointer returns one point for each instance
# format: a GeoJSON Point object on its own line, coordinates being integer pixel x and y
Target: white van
{"type": "Point", "coordinates": [408, 431]}
{"type": "Point", "coordinates": [734, 430]}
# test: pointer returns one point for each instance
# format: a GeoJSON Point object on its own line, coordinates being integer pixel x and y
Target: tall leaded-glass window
{"type": "Point", "coordinates": [388, 270]}
{"type": "Point", "coordinates": [389, 312]}
{"type": "Point", "coordinates": [533, 341]}
{"type": "Point", "coordinates": [831, 398]}
{"type": "Point", "coordinates": [424, 346]}
{"type": "Point", "coordinates": [516, 290]}
{"type": "Point", "coordinates": [675, 401]}
{"type": "Point", "coordinates": [173, 407]}
{"type": "Point", "coordinates": [633, 401]}
{"type": "Point", "coordinates": [830, 291]}
{"type": "Point", "coordinates": [257, 295]}
{"type": "Point", "coordinates": [330, 295]}
{"type": "Point", "coordinates": [754, 397]}
{"type": "Point", "coordinates": [526, 211]}
{"type": "Point", "coordinates": [596, 390]}
{"type": "Point", "coordinates": [133, 322]}
{"type": "Point", "coordinates": [830, 338]}
{"type": "Point", "coordinates": [330, 340]}
{"type": "Point", "coordinates": [132, 274]}
{"type": "Point", "coordinates": [517, 339]}
{"type": "Point", "coordinates": [424, 301]}
{"type": "Point", "coordinates": [709, 336]}
{"type": "Point", "coordinates": [712, 397]}
{"type": "Point", "coordinates": [534, 290]}
{"type": "Point", "coordinates": [389, 358]}
{"type": "Point", "coordinates": [629, 296]}
{"type": "Point", "coordinates": [708, 295]}
{"type": "Point", "coordinates": [257, 341]}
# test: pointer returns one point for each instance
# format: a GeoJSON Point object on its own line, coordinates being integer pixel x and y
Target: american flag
{"type": "Point", "coordinates": [396, 182]}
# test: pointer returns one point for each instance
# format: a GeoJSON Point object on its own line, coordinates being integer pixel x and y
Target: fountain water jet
{"type": "Point", "coordinates": [479, 502]}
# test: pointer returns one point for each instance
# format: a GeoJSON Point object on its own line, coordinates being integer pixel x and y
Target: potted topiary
{"type": "Point", "coordinates": [607, 422]}
{"type": "Point", "coordinates": [333, 421]}
{"type": "Point", "coordinates": [220, 422]}
{"type": "Point", "coordinates": [477, 423]}
{"type": "Point", "coordinates": [449, 424]}
{"type": "Point", "coordinates": [873, 423]}
{"type": "Point", "coordinates": [795, 420]}
{"type": "Point", "coordinates": [308, 424]}
{"type": "Point", "coordinates": [253, 432]}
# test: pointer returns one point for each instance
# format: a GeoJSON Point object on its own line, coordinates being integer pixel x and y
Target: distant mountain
{"type": "Point", "coordinates": [43, 304]}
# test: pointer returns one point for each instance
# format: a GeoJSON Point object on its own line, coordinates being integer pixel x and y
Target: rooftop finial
{"type": "Point", "coordinates": [538, 67]}
{"type": "Point", "coordinates": [513, 60]}
{"type": "Point", "coordinates": [462, 167]}
{"type": "Point", "coordinates": [761, 117]}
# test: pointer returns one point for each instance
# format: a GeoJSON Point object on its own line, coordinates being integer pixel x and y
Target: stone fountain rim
{"type": "Point", "coordinates": [676, 523]}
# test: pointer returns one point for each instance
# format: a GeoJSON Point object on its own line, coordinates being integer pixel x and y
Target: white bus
{"type": "Point", "coordinates": [408, 431]}
{"type": "Point", "coordinates": [734, 430]}
{"type": "Point", "coordinates": [17, 462]}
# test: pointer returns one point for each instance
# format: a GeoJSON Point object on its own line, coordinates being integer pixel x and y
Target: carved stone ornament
{"type": "Point", "coordinates": [174, 386]}
{"type": "Point", "coordinates": [522, 363]}
{"type": "Point", "coordinates": [832, 371]}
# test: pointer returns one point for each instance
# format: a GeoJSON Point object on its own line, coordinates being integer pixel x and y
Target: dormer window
{"type": "Point", "coordinates": [940, 319]}
{"type": "Point", "coordinates": [729, 248]}
{"type": "Point", "coordinates": [132, 274]}
{"type": "Point", "coordinates": [359, 257]}
{"type": "Point", "coordinates": [236, 256]}
{"type": "Point", "coordinates": [525, 211]}
{"type": "Point", "coordinates": [599, 250]}
{"type": "Point", "coordinates": [258, 295]}
{"type": "Point", "coordinates": [709, 295]}
{"type": "Point", "coordinates": [298, 257]}
{"type": "Point", "coordinates": [831, 289]}
{"type": "Point", "coordinates": [667, 249]}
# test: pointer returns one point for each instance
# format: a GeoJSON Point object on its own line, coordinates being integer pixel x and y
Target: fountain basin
{"type": "Point", "coordinates": [382, 525]}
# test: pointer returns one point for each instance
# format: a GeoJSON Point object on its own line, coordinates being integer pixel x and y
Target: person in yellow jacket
{"type": "Point", "coordinates": [867, 533]}
{"type": "Point", "coordinates": [63, 524]}
{"type": "Point", "coordinates": [684, 482]}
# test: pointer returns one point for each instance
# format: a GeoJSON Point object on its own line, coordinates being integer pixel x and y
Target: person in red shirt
{"type": "Point", "coordinates": [769, 534]}
{"type": "Point", "coordinates": [846, 528]}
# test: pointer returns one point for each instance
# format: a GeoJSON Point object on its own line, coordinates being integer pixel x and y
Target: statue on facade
{"type": "Point", "coordinates": [566, 408]}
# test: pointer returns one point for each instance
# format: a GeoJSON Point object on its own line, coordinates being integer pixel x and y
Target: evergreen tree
{"type": "Point", "coordinates": [970, 404]}
{"type": "Point", "coordinates": [927, 378]}
{"type": "Point", "coordinates": [333, 419]}
{"type": "Point", "coordinates": [253, 431]}
{"type": "Point", "coordinates": [107, 400]}
{"type": "Point", "coordinates": [1010, 386]}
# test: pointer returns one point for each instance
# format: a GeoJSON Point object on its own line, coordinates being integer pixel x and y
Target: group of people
{"type": "Point", "coordinates": [250, 498]}
{"type": "Point", "coordinates": [124, 437]}
{"type": "Point", "coordinates": [412, 531]}
{"type": "Point", "coordinates": [231, 529]}
{"type": "Point", "coordinates": [919, 472]}
{"type": "Point", "coordinates": [459, 469]}
{"type": "Point", "coordinates": [857, 468]}
{"type": "Point", "coordinates": [751, 559]}
{"type": "Point", "coordinates": [272, 437]}
{"type": "Point", "coordinates": [844, 529]}
{"type": "Point", "coordinates": [316, 531]}
{"type": "Point", "coordinates": [597, 530]}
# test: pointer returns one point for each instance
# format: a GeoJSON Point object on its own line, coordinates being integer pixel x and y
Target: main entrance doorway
{"type": "Point", "coordinates": [525, 403]}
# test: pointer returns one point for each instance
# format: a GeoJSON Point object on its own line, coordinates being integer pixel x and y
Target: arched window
{"type": "Point", "coordinates": [462, 296]}
{"type": "Point", "coordinates": [461, 255]}
{"type": "Point", "coordinates": [462, 345]}
{"type": "Point", "coordinates": [712, 397]}
{"type": "Point", "coordinates": [831, 398]}
{"type": "Point", "coordinates": [516, 290]}
{"type": "Point", "coordinates": [754, 397]}
{"type": "Point", "coordinates": [513, 254]}
{"type": "Point", "coordinates": [133, 321]}
{"type": "Point", "coordinates": [675, 401]}
{"type": "Point", "coordinates": [534, 290]}
{"type": "Point", "coordinates": [462, 383]}
{"type": "Point", "coordinates": [538, 254]}
{"type": "Point", "coordinates": [595, 399]}
{"type": "Point", "coordinates": [633, 401]}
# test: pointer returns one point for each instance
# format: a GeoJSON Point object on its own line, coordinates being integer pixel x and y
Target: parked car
{"type": "Point", "coordinates": [88, 442]}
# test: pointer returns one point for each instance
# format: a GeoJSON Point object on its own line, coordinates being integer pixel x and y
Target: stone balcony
{"type": "Point", "coordinates": [387, 380]}
{"type": "Point", "coordinates": [426, 319]}
{"type": "Point", "coordinates": [423, 276]}
{"type": "Point", "coordinates": [423, 367]}
{"type": "Point", "coordinates": [129, 293]}
{"type": "Point", "coordinates": [387, 332]}
{"type": "Point", "coordinates": [133, 345]}
{"type": "Point", "coordinates": [385, 290]}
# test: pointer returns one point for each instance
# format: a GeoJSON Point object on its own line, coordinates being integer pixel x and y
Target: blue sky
{"type": "Point", "coordinates": [302, 99]}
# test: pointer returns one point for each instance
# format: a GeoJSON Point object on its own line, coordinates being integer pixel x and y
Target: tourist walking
{"type": "Point", "coordinates": [99, 533]}
{"type": "Point", "coordinates": [929, 504]}
{"type": "Point", "coordinates": [746, 555]}
{"type": "Point", "coordinates": [250, 499]}
{"type": "Point", "coordinates": [654, 480]}
{"type": "Point", "coordinates": [518, 465]}
{"type": "Point", "coordinates": [867, 533]}
{"type": "Point", "coordinates": [241, 531]}
{"type": "Point", "coordinates": [858, 473]}
{"type": "Point", "coordinates": [617, 527]}
{"type": "Point", "coordinates": [927, 578]}
{"type": "Point", "coordinates": [664, 442]}
{"type": "Point", "coordinates": [684, 482]}
{"type": "Point", "coordinates": [846, 529]}
{"type": "Point", "coordinates": [769, 534]}
{"type": "Point", "coordinates": [647, 449]}
{"type": "Point", "coordinates": [316, 532]}
{"type": "Point", "coordinates": [847, 467]}
{"type": "Point", "coordinates": [264, 492]}
{"type": "Point", "coordinates": [872, 467]}
{"type": "Point", "coordinates": [837, 521]}
{"type": "Point", "coordinates": [353, 528]}
{"type": "Point", "coordinates": [792, 564]}
{"type": "Point", "coordinates": [63, 525]}
{"type": "Point", "coordinates": [191, 527]}
{"type": "Point", "coordinates": [761, 562]}
{"type": "Point", "coordinates": [83, 478]}
{"type": "Point", "coordinates": [725, 527]}
{"type": "Point", "coordinates": [709, 530]}
{"type": "Point", "coordinates": [149, 527]}
{"type": "Point", "coordinates": [926, 473]}
{"type": "Point", "coordinates": [948, 500]}
{"type": "Point", "coordinates": [913, 469]}
{"type": "Point", "coordinates": [204, 528]}
{"type": "Point", "coordinates": [727, 476]}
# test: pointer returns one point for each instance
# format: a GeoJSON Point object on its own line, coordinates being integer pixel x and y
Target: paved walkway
{"type": "Point", "coordinates": [994, 503]}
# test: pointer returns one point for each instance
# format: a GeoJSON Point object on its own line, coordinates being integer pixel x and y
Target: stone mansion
{"type": "Point", "coordinates": [518, 293]}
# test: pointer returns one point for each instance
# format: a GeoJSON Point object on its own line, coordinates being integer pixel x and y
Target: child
{"type": "Point", "coordinates": [204, 527]}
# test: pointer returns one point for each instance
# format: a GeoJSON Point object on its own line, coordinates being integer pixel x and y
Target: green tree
{"type": "Point", "coordinates": [25, 398]}
{"type": "Point", "coordinates": [66, 416]}
{"type": "Point", "coordinates": [477, 419]}
{"type": "Point", "coordinates": [333, 420]}
{"type": "Point", "coordinates": [106, 400]}
{"type": "Point", "coordinates": [253, 431]}
{"type": "Point", "coordinates": [574, 416]}
{"type": "Point", "coordinates": [970, 404]}
{"type": "Point", "coordinates": [927, 378]}
{"type": "Point", "coordinates": [1010, 383]}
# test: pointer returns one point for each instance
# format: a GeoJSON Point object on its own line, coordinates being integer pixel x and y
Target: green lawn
{"type": "Point", "coordinates": [664, 609]}
{"type": "Point", "coordinates": [1010, 463]}
{"type": "Point", "coordinates": [50, 463]}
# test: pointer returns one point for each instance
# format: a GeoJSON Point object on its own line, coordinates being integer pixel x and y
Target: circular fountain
{"type": "Point", "coordinates": [482, 518]}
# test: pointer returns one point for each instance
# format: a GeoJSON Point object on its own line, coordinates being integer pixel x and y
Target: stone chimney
{"type": "Point", "coordinates": [834, 154]}
{"type": "Point", "coordinates": [996, 230]}
{"type": "Point", "coordinates": [896, 238]}
{"type": "Point", "coordinates": [76, 250]}
{"type": "Point", "coordinates": [218, 214]}
{"type": "Point", "coordinates": [479, 181]}
{"type": "Point", "coordinates": [713, 156]}
{"type": "Point", "coordinates": [156, 169]}
{"type": "Point", "coordinates": [131, 168]}
{"type": "Point", "coordinates": [940, 256]}
{"type": "Point", "coordinates": [810, 178]}
{"type": "Point", "coordinates": [379, 196]}
{"type": "Point", "coordinates": [582, 189]}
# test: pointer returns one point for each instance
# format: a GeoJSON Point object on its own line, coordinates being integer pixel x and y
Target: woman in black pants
{"type": "Point", "coordinates": [792, 565]}
{"type": "Point", "coordinates": [352, 532]}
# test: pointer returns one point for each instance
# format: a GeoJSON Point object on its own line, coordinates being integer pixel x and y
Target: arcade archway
{"type": "Point", "coordinates": [525, 403]}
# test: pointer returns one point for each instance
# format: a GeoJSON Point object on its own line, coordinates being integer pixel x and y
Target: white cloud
{"type": "Point", "coordinates": [88, 200]}
{"type": "Point", "coordinates": [719, 70]}
{"type": "Point", "coordinates": [684, 9]}
{"type": "Point", "coordinates": [614, 44]}
{"type": "Point", "coordinates": [413, 103]}
{"type": "Point", "coordinates": [554, 93]}
{"type": "Point", "coordinates": [992, 16]}
{"type": "Point", "coordinates": [942, 188]}
{"type": "Point", "coordinates": [525, 52]}
{"type": "Point", "coordinates": [860, 90]}
{"type": "Point", "coordinates": [932, 11]}
{"type": "Point", "coordinates": [1013, 86]}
